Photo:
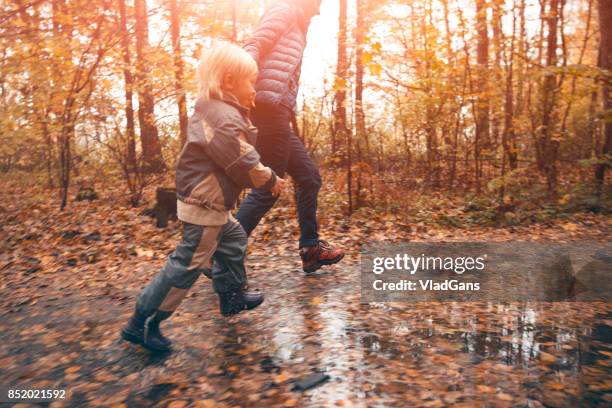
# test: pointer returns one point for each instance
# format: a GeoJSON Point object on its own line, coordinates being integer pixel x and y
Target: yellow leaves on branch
{"type": "Point", "coordinates": [339, 84]}
{"type": "Point", "coordinates": [367, 59]}
{"type": "Point", "coordinates": [375, 69]}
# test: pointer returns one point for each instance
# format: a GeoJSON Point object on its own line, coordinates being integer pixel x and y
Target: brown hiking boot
{"type": "Point", "coordinates": [313, 257]}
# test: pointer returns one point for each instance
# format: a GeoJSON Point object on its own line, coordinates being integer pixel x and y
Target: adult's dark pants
{"type": "Point", "coordinates": [281, 150]}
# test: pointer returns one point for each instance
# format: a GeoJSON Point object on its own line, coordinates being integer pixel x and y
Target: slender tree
{"type": "Point", "coordinates": [496, 95]}
{"type": "Point", "coordinates": [360, 127]}
{"type": "Point", "coordinates": [178, 69]}
{"type": "Point", "coordinates": [482, 107]}
{"type": "Point", "coordinates": [149, 138]}
{"type": "Point", "coordinates": [509, 135]}
{"type": "Point", "coordinates": [547, 141]}
{"type": "Point", "coordinates": [130, 133]}
{"type": "Point", "coordinates": [342, 134]}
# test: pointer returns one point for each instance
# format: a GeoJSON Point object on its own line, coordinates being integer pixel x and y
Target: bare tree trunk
{"type": "Point", "coordinates": [508, 137]}
{"type": "Point", "coordinates": [49, 151]}
{"type": "Point", "coordinates": [520, 69]}
{"type": "Point", "coordinates": [497, 94]}
{"type": "Point", "coordinates": [546, 139]}
{"type": "Point", "coordinates": [452, 84]}
{"type": "Point", "coordinates": [470, 84]}
{"type": "Point", "coordinates": [580, 57]}
{"type": "Point", "coordinates": [535, 119]}
{"type": "Point", "coordinates": [593, 125]}
{"type": "Point", "coordinates": [56, 7]}
{"type": "Point", "coordinates": [360, 31]}
{"type": "Point", "coordinates": [130, 132]}
{"type": "Point", "coordinates": [61, 28]}
{"type": "Point", "coordinates": [605, 62]}
{"type": "Point", "coordinates": [178, 68]}
{"type": "Point", "coordinates": [362, 137]}
{"type": "Point", "coordinates": [404, 130]}
{"type": "Point", "coordinates": [431, 133]}
{"type": "Point", "coordinates": [340, 125]}
{"type": "Point", "coordinates": [149, 138]}
{"type": "Point", "coordinates": [482, 106]}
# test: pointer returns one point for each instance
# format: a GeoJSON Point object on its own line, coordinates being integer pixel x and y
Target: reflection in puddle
{"type": "Point", "coordinates": [544, 351]}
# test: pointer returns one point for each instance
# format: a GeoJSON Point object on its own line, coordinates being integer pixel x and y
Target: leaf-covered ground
{"type": "Point", "coordinates": [69, 282]}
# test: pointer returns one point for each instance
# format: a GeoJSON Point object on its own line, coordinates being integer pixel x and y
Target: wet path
{"type": "Point", "coordinates": [377, 355]}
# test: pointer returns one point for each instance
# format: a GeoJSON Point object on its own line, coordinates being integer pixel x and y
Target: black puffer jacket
{"type": "Point", "coordinates": [277, 44]}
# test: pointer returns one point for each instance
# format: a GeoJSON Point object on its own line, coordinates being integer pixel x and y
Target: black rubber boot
{"type": "Point", "coordinates": [134, 330]}
{"type": "Point", "coordinates": [154, 340]}
{"type": "Point", "coordinates": [231, 303]}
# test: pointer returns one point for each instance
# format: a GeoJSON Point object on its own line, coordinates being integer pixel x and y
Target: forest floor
{"type": "Point", "coordinates": [70, 279]}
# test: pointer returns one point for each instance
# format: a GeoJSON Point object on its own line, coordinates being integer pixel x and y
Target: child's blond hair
{"type": "Point", "coordinates": [220, 59]}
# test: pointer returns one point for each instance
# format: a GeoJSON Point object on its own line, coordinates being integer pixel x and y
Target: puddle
{"type": "Point", "coordinates": [398, 354]}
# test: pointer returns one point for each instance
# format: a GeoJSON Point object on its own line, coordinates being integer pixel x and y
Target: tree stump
{"type": "Point", "coordinates": [86, 189]}
{"type": "Point", "coordinates": [86, 194]}
{"type": "Point", "coordinates": [165, 207]}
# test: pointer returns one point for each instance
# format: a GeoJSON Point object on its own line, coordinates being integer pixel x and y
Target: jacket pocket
{"type": "Point", "coordinates": [208, 194]}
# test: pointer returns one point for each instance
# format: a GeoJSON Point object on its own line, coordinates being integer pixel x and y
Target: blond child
{"type": "Point", "coordinates": [216, 163]}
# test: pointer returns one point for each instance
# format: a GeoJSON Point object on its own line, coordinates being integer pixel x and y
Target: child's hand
{"type": "Point", "coordinates": [278, 188]}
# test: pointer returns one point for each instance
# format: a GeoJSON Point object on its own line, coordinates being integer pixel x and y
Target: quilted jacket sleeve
{"type": "Point", "coordinates": [275, 21]}
{"type": "Point", "coordinates": [229, 149]}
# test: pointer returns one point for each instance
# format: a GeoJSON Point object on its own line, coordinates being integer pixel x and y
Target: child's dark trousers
{"type": "Point", "coordinates": [192, 257]}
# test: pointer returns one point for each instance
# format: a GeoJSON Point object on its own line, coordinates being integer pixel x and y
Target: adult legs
{"type": "Point", "coordinates": [273, 145]}
{"type": "Point", "coordinates": [308, 182]}
{"type": "Point", "coordinates": [281, 149]}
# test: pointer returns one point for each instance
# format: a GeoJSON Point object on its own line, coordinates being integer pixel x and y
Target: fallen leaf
{"type": "Point", "coordinates": [547, 358]}
{"type": "Point", "coordinates": [72, 369]}
{"type": "Point", "coordinates": [485, 389]}
{"type": "Point", "coordinates": [504, 397]}
{"type": "Point", "coordinates": [316, 301]}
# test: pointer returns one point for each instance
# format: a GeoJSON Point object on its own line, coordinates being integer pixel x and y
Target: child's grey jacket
{"type": "Point", "coordinates": [217, 162]}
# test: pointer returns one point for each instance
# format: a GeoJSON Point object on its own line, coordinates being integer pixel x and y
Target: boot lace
{"type": "Point", "coordinates": [324, 245]}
